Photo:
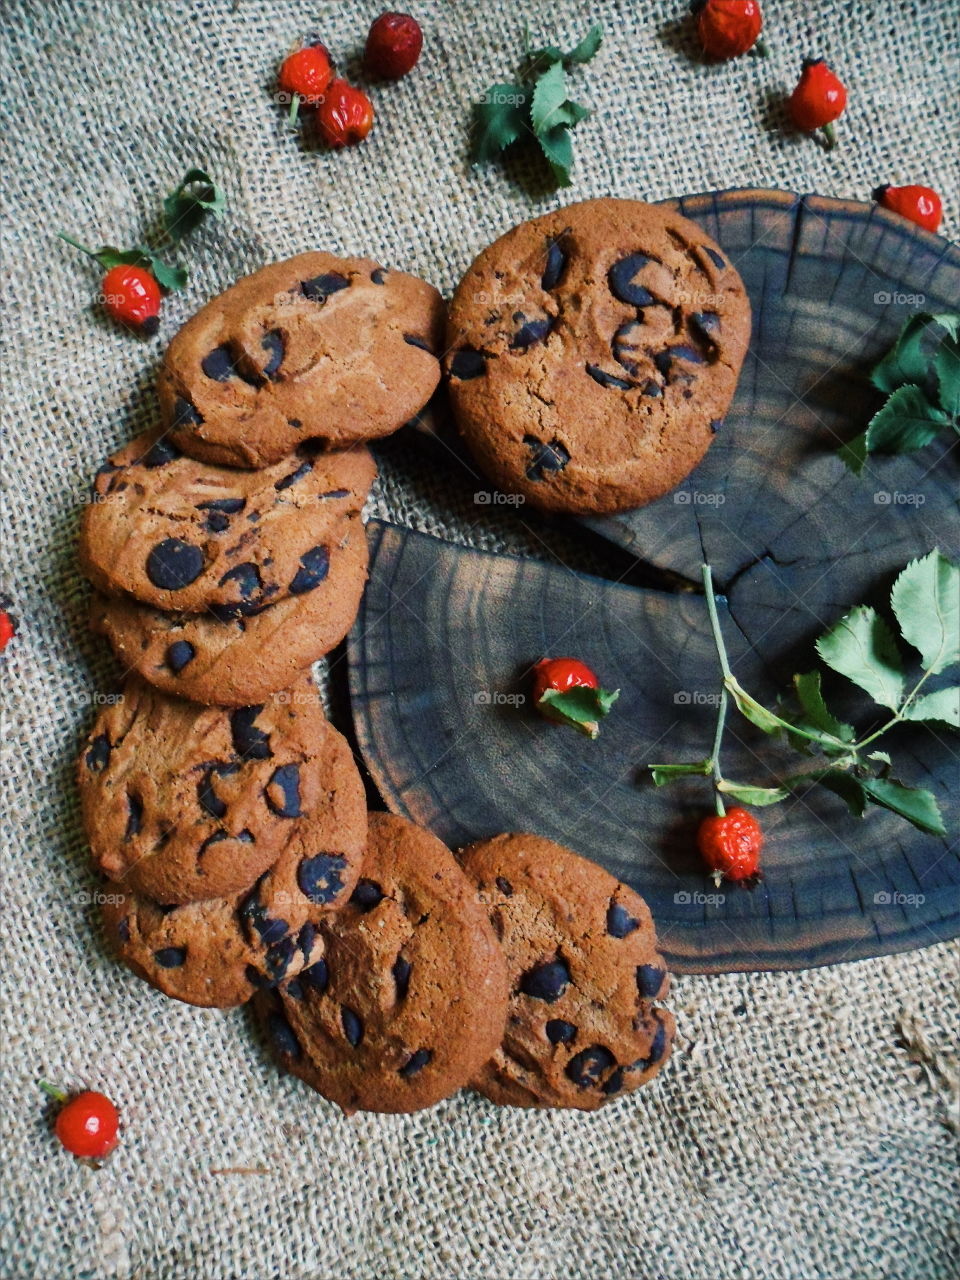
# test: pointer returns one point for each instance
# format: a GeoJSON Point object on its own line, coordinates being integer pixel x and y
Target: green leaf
{"type": "Point", "coordinates": [926, 602]}
{"type": "Point", "coordinates": [664, 773]}
{"type": "Point", "coordinates": [816, 713]}
{"type": "Point", "coordinates": [186, 207]}
{"type": "Point", "coordinates": [558, 148]}
{"type": "Point", "coordinates": [947, 366]}
{"type": "Point", "coordinates": [540, 59]}
{"type": "Point", "coordinates": [581, 707]}
{"type": "Point", "coordinates": [943, 705]}
{"type": "Point", "coordinates": [499, 120]}
{"type": "Point", "coordinates": [549, 96]}
{"type": "Point", "coordinates": [910, 357]}
{"type": "Point", "coordinates": [755, 712]}
{"type": "Point", "coordinates": [109, 257]}
{"type": "Point", "coordinates": [587, 47]}
{"type": "Point", "coordinates": [844, 785]}
{"type": "Point", "coordinates": [906, 422]}
{"type": "Point", "coordinates": [854, 453]}
{"type": "Point", "coordinates": [571, 113]}
{"type": "Point", "coordinates": [752, 795]}
{"type": "Point", "coordinates": [862, 648]}
{"type": "Point", "coordinates": [913, 803]}
{"type": "Point", "coordinates": [169, 278]}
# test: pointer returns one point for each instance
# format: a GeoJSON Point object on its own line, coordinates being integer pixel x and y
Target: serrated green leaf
{"type": "Point", "coordinates": [558, 148]}
{"type": "Point", "coordinates": [943, 704]}
{"type": "Point", "coordinates": [580, 706]}
{"type": "Point", "coordinates": [817, 714]}
{"type": "Point", "coordinates": [862, 648]}
{"type": "Point", "coordinates": [186, 207]}
{"type": "Point", "coordinates": [549, 96]}
{"type": "Point", "coordinates": [926, 601]}
{"type": "Point", "coordinates": [847, 787]}
{"type": "Point", "coordinates": [587, 47]}
{"type": "Point", "coordinates": [664, 773]}
{"type": "Point", "coordinates": [947, 367]}
{"type": "Point", "coordinates": [906, 422]}
{"type": "Point", "coordinates": [169, 278]}
{"type": "Point", "coordinates": [747, 794]}
{"type": "Point", "coordinates": [909, 359]}
{"type": "Point", "coordinates": [913, 803]}
{"type": "Point", "coordinates": [854, 453]}
{"type": "Point", "coordinates": [754, 711]}
{"type": "Point", "coordinates": [540, 59]}
{"type": "Point", "coordinates": [949, 321]}
{"type": "Point", "coordinates": [881, 756]}
{"type": "Point", "coordinates": [499, 120]}
{"type": "Point", "coordinates": [109, 257]}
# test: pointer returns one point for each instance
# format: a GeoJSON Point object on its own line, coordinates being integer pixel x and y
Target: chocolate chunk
{"type": "Point", "coordinates": [614, 1082]}
{"type": "Point", "coordinates": [316, 976]}
{"type": "Point", "coordinates": [504, 885]}
{"type": "Point", "coordinates": [273, 343]}
{"type": "Point", "coordinates": [416, 1062]}
{"type": "Point", "coordinates": [283, 791]}
{"type": "Point", "coordinates": [98, 757]}
{"type": "Point", "coordinates": [321, 877]}
{"type": "Point", "coordinates": [170, 957]}
{"type": "Point", "coordinates": [559, 1031]}
{"type": "Point", "coordinates": [401, 976]}
{"type": "Point", "coordinates": [282, 1036]}
{"type": "Point", "coordinates": [159, 454]}
{"type": "Point", "coordinates": [378, 276]}
{"type": "Point", "coordinates": [715, 425]}
{"type": "Point", "coordinates": [366, 895]}
{"type": "Point", "coordinates": [586, 1068]}
{"type": "Point", "coordinates": [649, 980]}
{"type": "Point", "coordinates": [546, 457]}
{"type": "Point", "coordinates": [619, 921]}
{"type": "Point", "coordinates": [320, 288]}
{"type": "Point", "coordinates": [219, 512]}
{"type": "Point", "coordinates": [249, 741]}
{"type": "Point", "coordinates": [352, 1026]}
{"type": "Point", "coordinates": [609, 380]}
{"type": "Point", "coordinates": [173, 564]}
{"type": "Point", "coordinates": [468, 363]}
{"type": "Point", "coordinates": [179, 654]}
{"type": "Point", "coordinates": [253, 913]}
{"type": "Point", "coordinates": [658, 1046]}
{"type": "Point", "coordinates": [285, 482]}
{"type": "Point", "coordinates": [706, 324]}
{"type": "Point", "coordinates": [530, 331]}
{"type": "Point", "coordinates": [620, 279]}
{"type": "Point", "coordinates": [414, 341]}
{"type": "Point", "coordinates": [306, 939]}
{"type": "Point", "coordinates": [626, 346]}
{"type": "Point", "coordinates": [218, 365]}
{"type": "Point", "coordinates": [546, 981]}
{"type": "Point", "coordinates": [210, 802]}
{"type": "Point", "coordinates": [134, 815]}
{"type": "Point", "coordinates": [123, 929]}
{"type": "Point", "coordinates": [556, 265]}
{"type": "Point", "coordinates": [277, 959]}
{"type": "Point", "coordinates": [314, 567]}
{"type": "Point", "coordinates": [185, 414]}
{"type": "Point", "coordinates": [684, 352]}
{"type": "Point", "coordinates": [715, 258]}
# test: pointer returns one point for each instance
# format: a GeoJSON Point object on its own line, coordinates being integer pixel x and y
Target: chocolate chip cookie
{"type": "Point", "coordinates": [593, 353]}
{"type": "Point", "coordinates": [182, 802]}
{"type": "Point", "coordinates": [241, 660]}
{"type": "Point", "coordinates": [186, 536]}
{"type": "Point", "coordinates": [410, 999]}
{"type": "Point", "coordinates": [312, 348]}
{"type": "Point", "coordinates": [582, 1027]}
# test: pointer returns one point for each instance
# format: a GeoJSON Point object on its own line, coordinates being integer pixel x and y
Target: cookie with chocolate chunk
{"type": "Point", "coordinates": [316, 347]}
{"type": "Point", "coordinates": [187, 536]}
{"type": "Point", "coordinates": [241, 660]}
{"type": "Point", "coordinates": [182, 802]}
{"type": "Point", "coordinates": [410, 999]}
{"type": "Point", "coordinates": [593, 352]}
{"type": "Point", "coordinates": [583, 1026]}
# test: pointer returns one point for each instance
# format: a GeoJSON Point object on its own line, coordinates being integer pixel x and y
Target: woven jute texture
{"type": "Point", "coordinates": [802, 1128]}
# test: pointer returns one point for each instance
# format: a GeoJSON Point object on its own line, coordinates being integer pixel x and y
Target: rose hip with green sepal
{"type": "Point", "coordinates": [730, 844]}
{"type": "Point", "coordinates": [567, 691]}
{"type": "Point", "coordinates": [818, 100]}
{"type": "Point", "coordinates": [86, 1124]}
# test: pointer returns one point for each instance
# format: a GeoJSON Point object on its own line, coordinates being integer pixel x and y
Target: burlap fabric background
{"type": "Point", "coordinates": [801, 1129]}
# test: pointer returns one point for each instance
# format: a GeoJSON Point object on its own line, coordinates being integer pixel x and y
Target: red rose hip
{"type": "Point", "coordinates": [87, 1124]}
{"type": "Point", "coordinates": [132, 296]}
{"type": "Point", "coordinates": [307, 73]}
{"type": "Point", "coordinates": [819, 98]}
{"type": "Point", "coordinates": [728, 28]}
{"type": "Point", "coordinates": [921, 205]}
{"type": "Point", "coordinates": [555, 678]}
{"type": "Point", "coordinates": [730, 844]}
{"type": "Point", "coordinates": [393, 45]}
{"type": "Point", "coordinates": [345, 116]}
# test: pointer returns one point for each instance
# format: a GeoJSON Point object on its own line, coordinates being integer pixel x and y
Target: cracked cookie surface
{"type": "Point", "coordinates": [187, 536]}
{"type": "Point", "coordinates": [411, 996]}
{"type": "Point", "coordinates": [593, 353]}
{"type": "Point", "coordinates": [315, 347]}
{"type": "Point", "coordinates": [583, 1026]}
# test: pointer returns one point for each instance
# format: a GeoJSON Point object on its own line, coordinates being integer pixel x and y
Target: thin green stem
{"type": "Point", "coordinates": [715, 753]}
{"type": "Point", "coordinates": [52, 1090]}
{"type": "Point", "coordinates": [897, 716]}
{"type": "Point", "coordinates": [707, 573]}
{"type": "Point", "coordinates": [76, 244]}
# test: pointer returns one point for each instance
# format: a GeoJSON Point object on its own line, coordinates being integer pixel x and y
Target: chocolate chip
{"type": "Point", "coordinates": [249, 741]}
{"type": "Point", "coordinates": [306, 939]}
{"type": "Point", "coordinates": [159, 454]}
{"type": "Point", "coordinates": [609, 380]}
{"type": "Point", "coordinates": [649, 980]}
{"type": "Point", "coordinates": [314, 567]}
{"type": "Point", "coordinates": [285, 482]}
{"type": "Point", "coordinates": [210, 802]}
{"type": "Point", "coordinates": [352, 1026]}
{"type": "Point", "coordinates": [245, 837]}
{"type": "Point", "coordinates": [658, 1046]}
{"type": "Point", "coordinates": [546, 981]}
{"type": "Point", "coordinates": [706, 324]}
{"type": "Point", "coordinates": [620, 279]}
{"type": "Point", "coordinates": [258, 979]}
{"type": "Point", "coordinates": [123, 928]}
{"type": "Point", "coordinates": [277, 959]}
{"type": "Point", "coordinates": [416, 1062]}
{"type": "Point", "coordinates": [715, 425]}
{"type": "Point", "coordinates": [174, 564]}
{"type": "Point", "coordinates": [530, 331]}
{"type": "Point", "coordinates": [185, 414]}
{"type": "Point", "coordinates": [586, 1068]}
{"type": "Point", "coordinates": [320, 288]}
{"type": "Point", "coordinates": [468, 363]}
{"type": "Point", "coordinates": [556, 265]}
{"type": "Point", "coordinates": [378, 276]}
{"type": "Point", "coordinates": [626, 345]}
{"type": "Point", "coordinates": [316, 976]}
{"type": "Point", "coordinates": [283, 791]}
{"type": "Point", "coordinates": [366, 895]}
{"type": "Point", "coordinates": [134, 815]}
{"type": "Point", "coordinates": [652, 389]}
{"type": "Point", "coordinates": [98, 757]}
{"type": "Point", "coordinates": [401, 976]}
{"type": "Point", "coordinates": [273, 343]}
{"type": "Point", "coordinates": [414, 341]}
{"type": "Point", "coordinates": [335, 493]}
{"type": "Point", "coordinates": [619, 921]}
{"type": "Point", "coordinates": [321, 877]}
{"type": "Point", "coordinates": [250, 584]}
{"type": "Point", "coordinates": [179, 654]}
{"type": "Point", "coordinates": [170, 957]}
{"type": "Point", "coordinates": [546, 457]}
{"type": "Point", "coordinates": [560, 1031]}
{"type": "Point", "coordinates": [295, 423]}
{"type": "Point", "coordinates": [218, 365]}
{"type": "Point", "coordinates": [219, 512]}
{"type": "Point", "coordinates": [614, 1082]}
{"type": "Point", "coordinates": [504, 885]}
{"type": "Point", "coordinates": [684, 352]}
{"type": "Point", "coordinates": [714, 258]}
{"type": "Point", "coordinates": [282, 1036]}
{"type": "Point", "coordinates": [662, 361]}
